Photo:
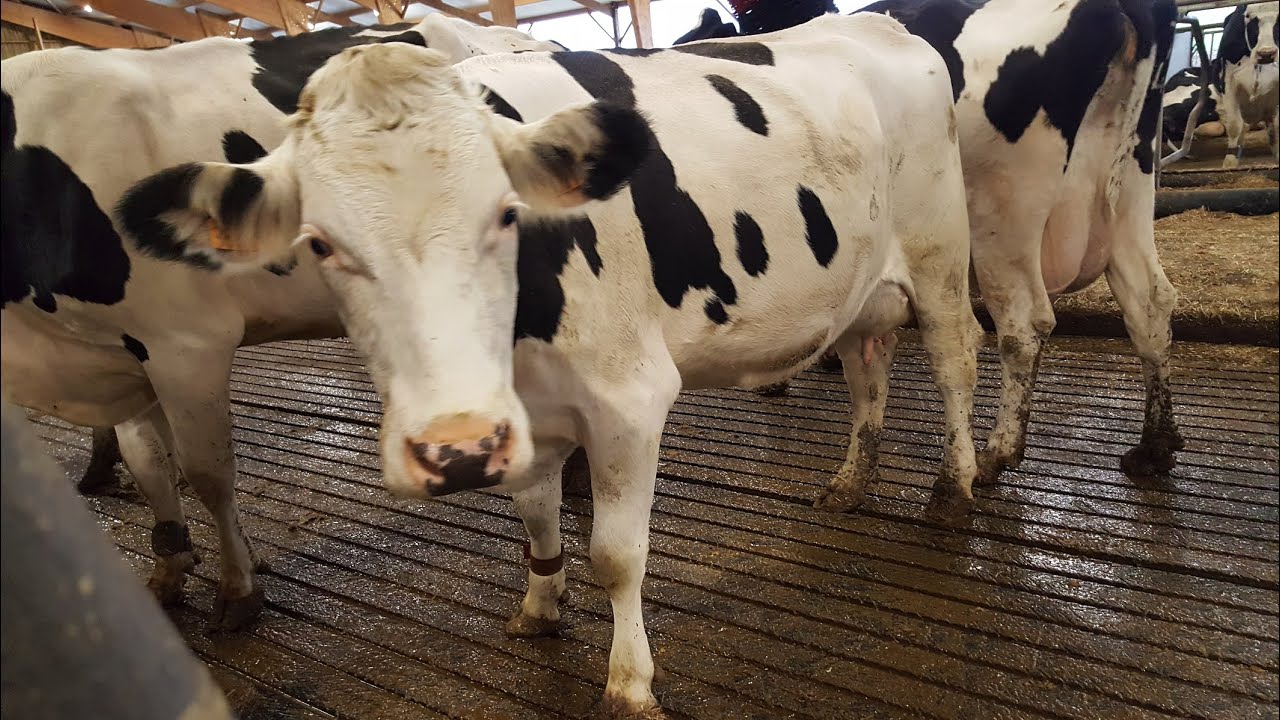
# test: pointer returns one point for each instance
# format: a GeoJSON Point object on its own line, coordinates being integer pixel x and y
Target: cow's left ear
{"type": "Point", "coordinates": [576, 155]}
{"type": "Point", "coordinates": [215, 215]}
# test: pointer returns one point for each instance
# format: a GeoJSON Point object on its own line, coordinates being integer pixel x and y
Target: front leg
{"type": "Point", "coordinates": [1236, 128]}
{"type": "Point", "coordinates": [193, 387]}
{"type": "Point", "coordinates": [623, 435]}
{"type": "Point", "coordinates": [539, 508]}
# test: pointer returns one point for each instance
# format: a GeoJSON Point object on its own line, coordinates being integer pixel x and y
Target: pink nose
{"type": "Point", "coordinates": [1267, 56]}
{"type": "Point", "coordinates": [461, 452]}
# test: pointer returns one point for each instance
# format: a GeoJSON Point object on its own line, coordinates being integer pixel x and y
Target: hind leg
{"type": "Point", "coordinates": [146, 443]}
{"type": "Point", "coordinates": [1014, 293]}
{"type": "Point", "coordinates": [1146, 299]}
{"type": "Point", "coordinates": [866, 371]}
{"type": "Point", "coordinates": [950, 333]}
{"type": "Point", "coordinates": [100, 475]}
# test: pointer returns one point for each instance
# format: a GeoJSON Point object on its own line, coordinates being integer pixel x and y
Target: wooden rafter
{"type": "Point", "coordinates": [503, 12]}
{"type": "Point", "coordinates": [80, 30]}
{"type": "Point", "coordinates": [178, 24]}
{"type": "Point", "coordinates": [291, 16]}
{"type": "Point", "coordinates": [641, 23]}
{"type": "Point", "coordinates": [592, 5]}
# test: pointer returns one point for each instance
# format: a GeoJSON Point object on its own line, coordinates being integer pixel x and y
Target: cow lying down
{"type": "Point", "coordinates": [101, 334]}
{"type": "Point", "coordinates": [777, 210]}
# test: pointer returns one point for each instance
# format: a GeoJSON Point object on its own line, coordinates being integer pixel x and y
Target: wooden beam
{"type": "Point", "coordinates": [592, 5]}
{"type": "Point", "coordinates": [641, 23]}
{"type": "Point", "coordinates": [503, 12]}
{"type": "Point", "coordinates": [390, 12]}
{"type": "Point", "coordinates": [288, 15]}
{"type": "Point", "coordinates": [448, 9]}
{"type": "Point", "coordinates": [80, 30]}
{"type": "Point", "coordinates": [177, 24]}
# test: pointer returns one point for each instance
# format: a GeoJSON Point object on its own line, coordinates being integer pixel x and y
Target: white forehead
{"type": "Point", "coordinates": [1262, 11]}
{"type": "Point", "coordinates": [393, 123]}
{"type": "Point", "coordinates": [390, 103]}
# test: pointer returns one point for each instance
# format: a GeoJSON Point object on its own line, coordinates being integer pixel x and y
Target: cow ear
{"type": "Point", "coordinates": [576, 155]}
{"type": "Point", "coordinates": [215, 215]}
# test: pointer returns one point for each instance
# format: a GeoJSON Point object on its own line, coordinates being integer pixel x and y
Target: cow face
{"type": "Point", "coordinates": [1250, 35]}
{"type": "Point", "coordinates": [406, 189]}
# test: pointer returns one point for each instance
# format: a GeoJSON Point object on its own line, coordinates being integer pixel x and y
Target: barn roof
{"type": "Point", "coordinates": [155, 23]}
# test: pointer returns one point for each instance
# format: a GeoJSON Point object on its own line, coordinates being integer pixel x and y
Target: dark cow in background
{"type": "Point", "coordinates": [1181, 93]}
{"type": "Point", "coordinates": [99, 334]}
{"type": "Point", "coordinates": [1250, 77]}
{"type": "Point", "coordinates": [756, 17]}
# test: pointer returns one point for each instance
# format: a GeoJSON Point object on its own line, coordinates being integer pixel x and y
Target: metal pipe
{"type": "Point", "coordinates": [1194, 118]}
{"type": "Point", "coordinates": [1251, 201]}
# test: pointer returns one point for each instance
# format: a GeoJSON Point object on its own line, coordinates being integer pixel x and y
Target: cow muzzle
{"type": "Point", "coordinates": [462, 452]}
{"type": "Point", "coordinates": [1266, 56]}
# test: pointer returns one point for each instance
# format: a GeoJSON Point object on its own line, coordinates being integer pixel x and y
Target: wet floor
{"type": "Point", "coordinates": [1073, 593]}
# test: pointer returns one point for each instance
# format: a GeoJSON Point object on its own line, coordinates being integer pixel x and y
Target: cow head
{"type": "Point", "coordinates": [1251, 36]}
{"type": "Point", "coordinates": [406, 188]}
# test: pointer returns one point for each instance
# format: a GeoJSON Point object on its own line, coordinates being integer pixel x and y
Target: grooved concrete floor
{"type": "Point", "coordinates": [1073, 593]}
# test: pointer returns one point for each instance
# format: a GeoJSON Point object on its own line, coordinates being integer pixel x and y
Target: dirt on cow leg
{"type": "Point", "coordinates": [848, 489]}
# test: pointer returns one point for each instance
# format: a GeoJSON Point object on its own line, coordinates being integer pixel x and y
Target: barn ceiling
{"type": "Point", "coordinates": [155, 23]}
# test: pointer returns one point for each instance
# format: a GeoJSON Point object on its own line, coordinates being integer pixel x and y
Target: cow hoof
{"type": "Point", "coordinates": [99, 481]}
{"type": "Point", "coordinates": [948, 506]}
{"type": "Point", "coordinates": [167, 590]}
{"type": "Point", "coordinates": [523, 625]}
{"type": "Point", "coordinates": [990, 465]}
{"type": "Point", "coordinates": [1147, 461]}
{"type": "Point", "coordinates": [1230, 162]}
{"type": "Point", "coordinates": [616, 708]}
{"type": "Point", "coordinates": [236, 613]}
{"type": "Point", "coordinates": [775, 390]}
{"type": "Point", "coordinates": [839, 500]}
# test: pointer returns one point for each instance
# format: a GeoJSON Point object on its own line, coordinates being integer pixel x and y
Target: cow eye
{"type": "Point", "coordinates": [321, 248]}
{"type": "Point", "coordinates": [509, 217]}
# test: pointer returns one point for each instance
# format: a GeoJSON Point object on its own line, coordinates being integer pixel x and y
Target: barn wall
{"type": "Point", "coordinates": [18, 39]}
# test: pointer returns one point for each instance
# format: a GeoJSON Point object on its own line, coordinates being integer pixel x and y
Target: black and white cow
{"type": "Point", "coordinates": [1181, 93]}
{"type": "Point", "coordinates": [100, 334]}
{"type": "Point", "coordinates": [1057, 105]}
{"type": "Point", "coordinates": [777, 210]}
{"type": "Point", "coordinates": [1250, 77]}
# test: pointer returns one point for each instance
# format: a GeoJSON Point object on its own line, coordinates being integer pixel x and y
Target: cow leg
{"type": "Point", "coordinates": [1236, 128]}
{"type": "Point", "coordinates": [950, 334]}
{"type": "Point", "coordinates": [539, 508]}
{"type": "Point", "coordinates": [1014, 293]}
{"type": "Point", "coordinates": [868, 389]}
{"type": "Point", "coordinates": [623, 434]}
{"type": "Point", "coordinates": [146, 445]}
{"type": "Point", "coordinates": [100, 475]}
{"type": "Point", "coordinates": [198, 406]}
{"type": "Point", "coordinates": [1146, 299]}
{"type": "Point", "coordinates": [1273, 136]}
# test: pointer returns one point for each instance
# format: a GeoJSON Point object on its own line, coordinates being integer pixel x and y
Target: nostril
{"type": "Point", "coordinates": [457, 463]}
